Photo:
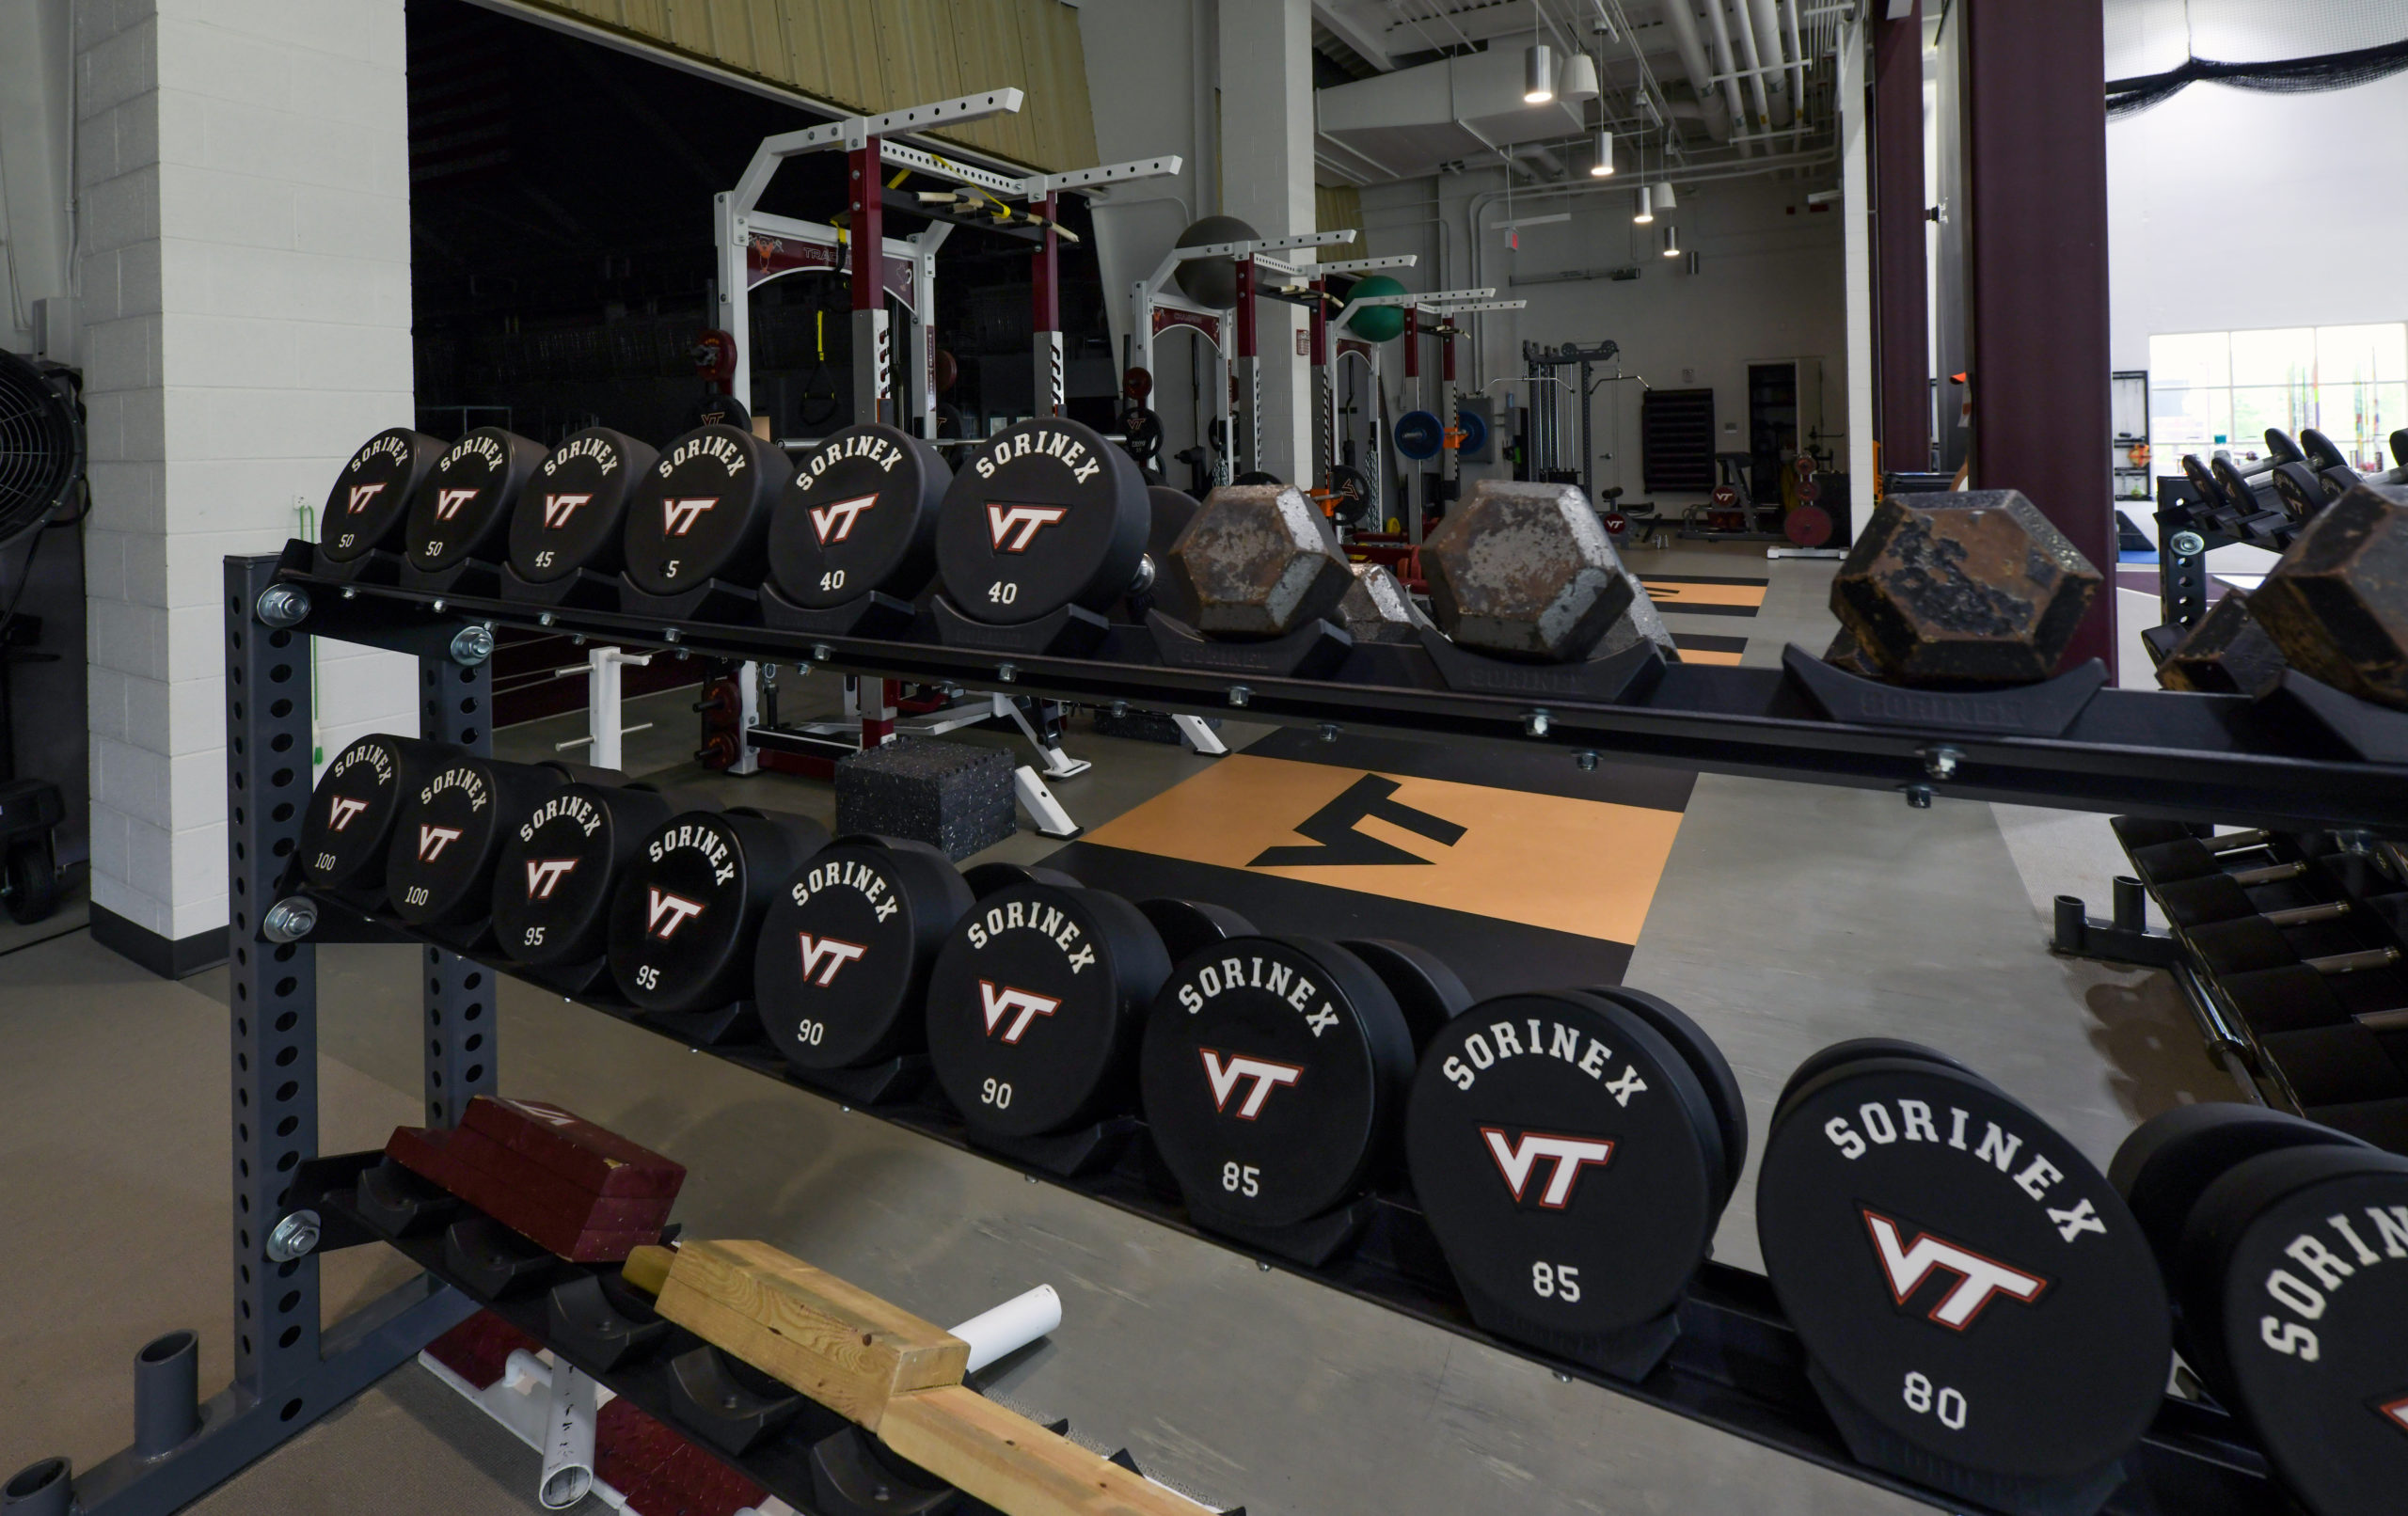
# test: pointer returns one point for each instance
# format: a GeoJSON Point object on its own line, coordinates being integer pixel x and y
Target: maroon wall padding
{"type": "Point", "coordinates": [2035, 172]}
{"type": "Point", "coordinates": [1901, 303]}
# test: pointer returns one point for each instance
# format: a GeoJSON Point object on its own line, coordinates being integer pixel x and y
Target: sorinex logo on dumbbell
{"type": "Point", "coordinates": [823, 956]}
{"type": "Point", "coordinates": [1518, 1159]}
{"type": "Point", "coordinates": [1267, 1076]}
{"type": "Point", "coordinates": [668, 912]}
{"type": "Point", "coordinates": [678, 516]}
{"type": "Point", "coordinates": [1022, 1007]}
{"type": "Point", "coordinates": [835, 523]}
{"type": "Point", "coordinates": [448, 502]}
{"type": "Point", "coordinates": [1014, 527]}
{"type": "Point", "coordinates": [544, 875]}
{"type": "Point", "coordinates": [433, 839]}
{"type": "Point", "coordinates": [1979, 1280]}
{"type": "Point", "coordinates": [339, 815]}
{"type": "Point", "coordinates": [559, 508]}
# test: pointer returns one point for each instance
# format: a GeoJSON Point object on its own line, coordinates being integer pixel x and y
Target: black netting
{"type": "Point", "coordinates": [2289, 76]}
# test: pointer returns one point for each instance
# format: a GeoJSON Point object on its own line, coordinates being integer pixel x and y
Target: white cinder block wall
{"type": "Point", "coordinates": [242, 175]}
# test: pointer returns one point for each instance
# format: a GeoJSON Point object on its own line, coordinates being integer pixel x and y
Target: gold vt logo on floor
{"type": "Point", "coordinates": [1552, 860]}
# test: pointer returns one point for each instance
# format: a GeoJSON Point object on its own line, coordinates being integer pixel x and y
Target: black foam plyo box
{"type": "Point", "coordinates": [956, 795]}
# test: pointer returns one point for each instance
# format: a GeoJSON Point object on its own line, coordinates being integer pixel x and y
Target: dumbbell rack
{"type": "Point", "coordinates": [1737, 1365]}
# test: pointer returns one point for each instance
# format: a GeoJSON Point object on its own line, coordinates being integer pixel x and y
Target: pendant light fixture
{"type": "Point", "coordinates": [1671, 241]}
{"type": "Point", "coordinates": [1538, 74]}
{"type": "Point", "coordinates": [1580, 79]}
{"type": "Point", "coordinates": [1602, 166]}
{"type": "Point", "coordinates": [1665, 198]}
{"type": "Point", "coordinates": [1645, 214]}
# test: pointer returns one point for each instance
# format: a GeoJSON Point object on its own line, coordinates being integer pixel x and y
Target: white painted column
{"type": "Point", "coordinates": [1267, 181]}
{"type": "Point", "coordinates": [1856, 208]}
{"type": "Point", "coordinates": [242, 175]}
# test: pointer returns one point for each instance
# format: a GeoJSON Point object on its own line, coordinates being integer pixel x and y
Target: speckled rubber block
{"type": "Point", "coordinates": [956, 795]}
{"type": "Point", "coordinates": [1137, 726]}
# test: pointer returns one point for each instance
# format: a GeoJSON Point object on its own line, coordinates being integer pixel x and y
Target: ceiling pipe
{"type": "Point", "coordinates": [1752, 57]}
{"type": "Point", "coordinates": [1691, 48]}
{"type": "Point", "coordinates": [1767, 28]}
{"type": "Point", "coordinates": [1796, 67]}
{"type": "Point", "coordinates": [1724, 65]}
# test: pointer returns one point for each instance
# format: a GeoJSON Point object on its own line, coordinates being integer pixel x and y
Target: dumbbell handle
{"type": "Point", "coordinates": [2352, 962]}
{"type": "Point", "coordinates": [2303, 915]}
{"type": "Point", "coordinates": [2271, 874]}
{"type": "Point", "coordinates": [2384, 1020]}
{"type": "Point", "coordinates": [2233, 842]}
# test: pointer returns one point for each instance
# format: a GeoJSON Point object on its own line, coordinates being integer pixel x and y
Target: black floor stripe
{"type": "Point", "coordinates": [1697, 578]}
{"type": "Point", "coordinates": [1708, 642]}
{"type": "Point", "coordinates": [1493, 957]}
{"type": "Point", "coordinates": [1676, 608]}
{"type": "Point", "coordinates": [1547, 772]}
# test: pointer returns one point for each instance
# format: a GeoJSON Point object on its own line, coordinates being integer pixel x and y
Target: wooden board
{"type": "Point", "coordinates": [585, 1155]}
{"type": "Point", "coordinates": [1012, 1463]}
{"type": "Point", "coordinates": [843, 1346]}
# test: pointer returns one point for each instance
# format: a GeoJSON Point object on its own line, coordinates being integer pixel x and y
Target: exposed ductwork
{"type": "Point", "coordinates": [1724, 64]}
{"type": "Point", "coordinates": [1751, 59]}
{"type": "Point", "coordinates": [1765, 15]}
{"type": "Point", "coordinates": [1682, 20]}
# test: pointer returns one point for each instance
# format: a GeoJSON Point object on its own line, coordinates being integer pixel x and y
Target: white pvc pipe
{"type": "Point", "coordinates": [1725, 65]}
{"type": "Point", "coordinates": [1768, 42]}
{"type": "Point", "coordinates": [1009, 1327]}
{"type": "Point", "coordinates": [568, 1438]}
{"type": "Point", "coordinates": [1691, 47]}
{"type": "Point", "coordinates": [1752, 58]}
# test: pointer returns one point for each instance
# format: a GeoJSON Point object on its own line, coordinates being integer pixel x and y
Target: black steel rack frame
{"type": "Point", "coordinates": [1737, 1365]}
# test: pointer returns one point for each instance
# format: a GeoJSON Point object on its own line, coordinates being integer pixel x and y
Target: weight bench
{"type": "Point", "coordinates": [1646, 528]}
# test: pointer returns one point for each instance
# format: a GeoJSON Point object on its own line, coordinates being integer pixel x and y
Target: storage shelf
{"type": "Point", "coordinates": [2219, 758]}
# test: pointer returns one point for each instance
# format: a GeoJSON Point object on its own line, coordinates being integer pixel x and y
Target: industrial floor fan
{"type": "Point", "coordinates": [41, 474]}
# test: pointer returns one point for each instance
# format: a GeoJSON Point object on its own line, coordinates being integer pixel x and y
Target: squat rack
{"type": "Point", "coordinates": [1739, 1367]}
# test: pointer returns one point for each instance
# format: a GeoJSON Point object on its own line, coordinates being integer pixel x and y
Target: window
{"type": "Point", "coordinates": [2222, 389]}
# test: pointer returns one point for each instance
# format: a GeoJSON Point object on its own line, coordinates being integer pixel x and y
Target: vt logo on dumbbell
{"type": "Point", "coordinates": [544, 875]}
{"type": "Point", "coordinates": [363, 493]}
{"type": "Point", "coordinates": [1019, 1004]}
{"type": "Point", "coordinates": [1267, 1076]}
{"type": "Point", "coordinates": [433, 839]}
{"type": "Point", "coordinates": [823, 956]}
{"type": "Point", "coordinates": [559, 508]}
{"type": "Point", "coordinates": [1012, 528]}
{"type": "Point", "coordinates": [835, 523]}
{"type": "Point", "coordinates": [678, 516]}
{"type": "Point", "coordinates": [668, 912]}
{"type": "Point", "coordinates": [1518, 1159]}
{"type": "Point", "coordinates": [448, 502]}
{"type": "Point", "coordinates": [1979, 1280]}
{"type": "Point", "coordinates": [339, 815]}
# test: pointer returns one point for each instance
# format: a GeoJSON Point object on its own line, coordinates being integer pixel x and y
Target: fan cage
{"type": "Point", "coordinates": [41, 452]}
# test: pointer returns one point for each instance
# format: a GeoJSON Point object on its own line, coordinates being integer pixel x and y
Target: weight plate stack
{"type": "Point", "coordinates": [1572, 1170]}
{"type": "Point", "coordinates": [703, 513]}
{"type": "Point", "coordinates": [463, 511]}
{"type": "Point", "coordinates": [841, 972]}
{"type": "Point", "coordinates": [2295, 1274]}
{"type": "Point", "coordinates": [573, 515]}
{"type": "Point", "coordinates": [1706, 1060]}
{"type": "Point", "coordinates": [560, 865]}
{"type": "Point", "coordinates": [1044, 514]}
{"type": "Point", "coordinates": [350, 823]}
{"type": "Point", "coordinates": [686, 914]}
{"type": "Point", "coordinates": [1037, 1005]}
{"type": "Point", "coordinates": [1274, 1073]}
{"type": "Point", "coordinates": [1980, 1310]}
{"type": "Point", "coordinates": [449, 835]}
{"type": "Point", "coordinates": [1429, 993]}
{"type": "Point", "coordinates": [371, 501]}
{"type": "Point", "coordinates": [858, 517]}
{"type": "Point", "coordinates": [1188, 926]}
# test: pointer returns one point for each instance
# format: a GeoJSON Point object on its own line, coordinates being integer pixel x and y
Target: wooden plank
{"type": "Point", "coordinates": [648, 1268]}
{"type": "Point", "coordinates": [840, 1345]}
{"type": "Point", "coordinates": [1012, 1463]}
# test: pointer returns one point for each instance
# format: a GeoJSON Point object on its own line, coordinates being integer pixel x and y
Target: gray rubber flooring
{"type": "Point", "coordinates": [1789, 917]}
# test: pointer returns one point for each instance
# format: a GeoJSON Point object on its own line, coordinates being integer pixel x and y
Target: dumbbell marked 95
{"type": "Point", "coordinates": [544, 875]}
{"type": "Point", "coordinates": [667, 912]}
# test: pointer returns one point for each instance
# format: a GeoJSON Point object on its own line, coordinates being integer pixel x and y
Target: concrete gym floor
{"type": "Point", "coordinates": [1787, 917]}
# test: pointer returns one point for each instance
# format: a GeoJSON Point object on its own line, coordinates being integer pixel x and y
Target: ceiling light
{"type": "Point", "coordinates": [1671, 241]}
{"type": "Point", "coordinates": [1604, 164]}
{"type": "Point", "coordinates": [1665, 198]}
{"type": "Point", "coordinates": [1645, 214]}
{"type": "Point", "coordinates": [1579, 78]}
{"type": "Point", "coordinates": [1538, 74]}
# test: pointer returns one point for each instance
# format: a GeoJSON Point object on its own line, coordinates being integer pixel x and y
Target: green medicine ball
{"type": "Point", "coordinates": [1379, 323]}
